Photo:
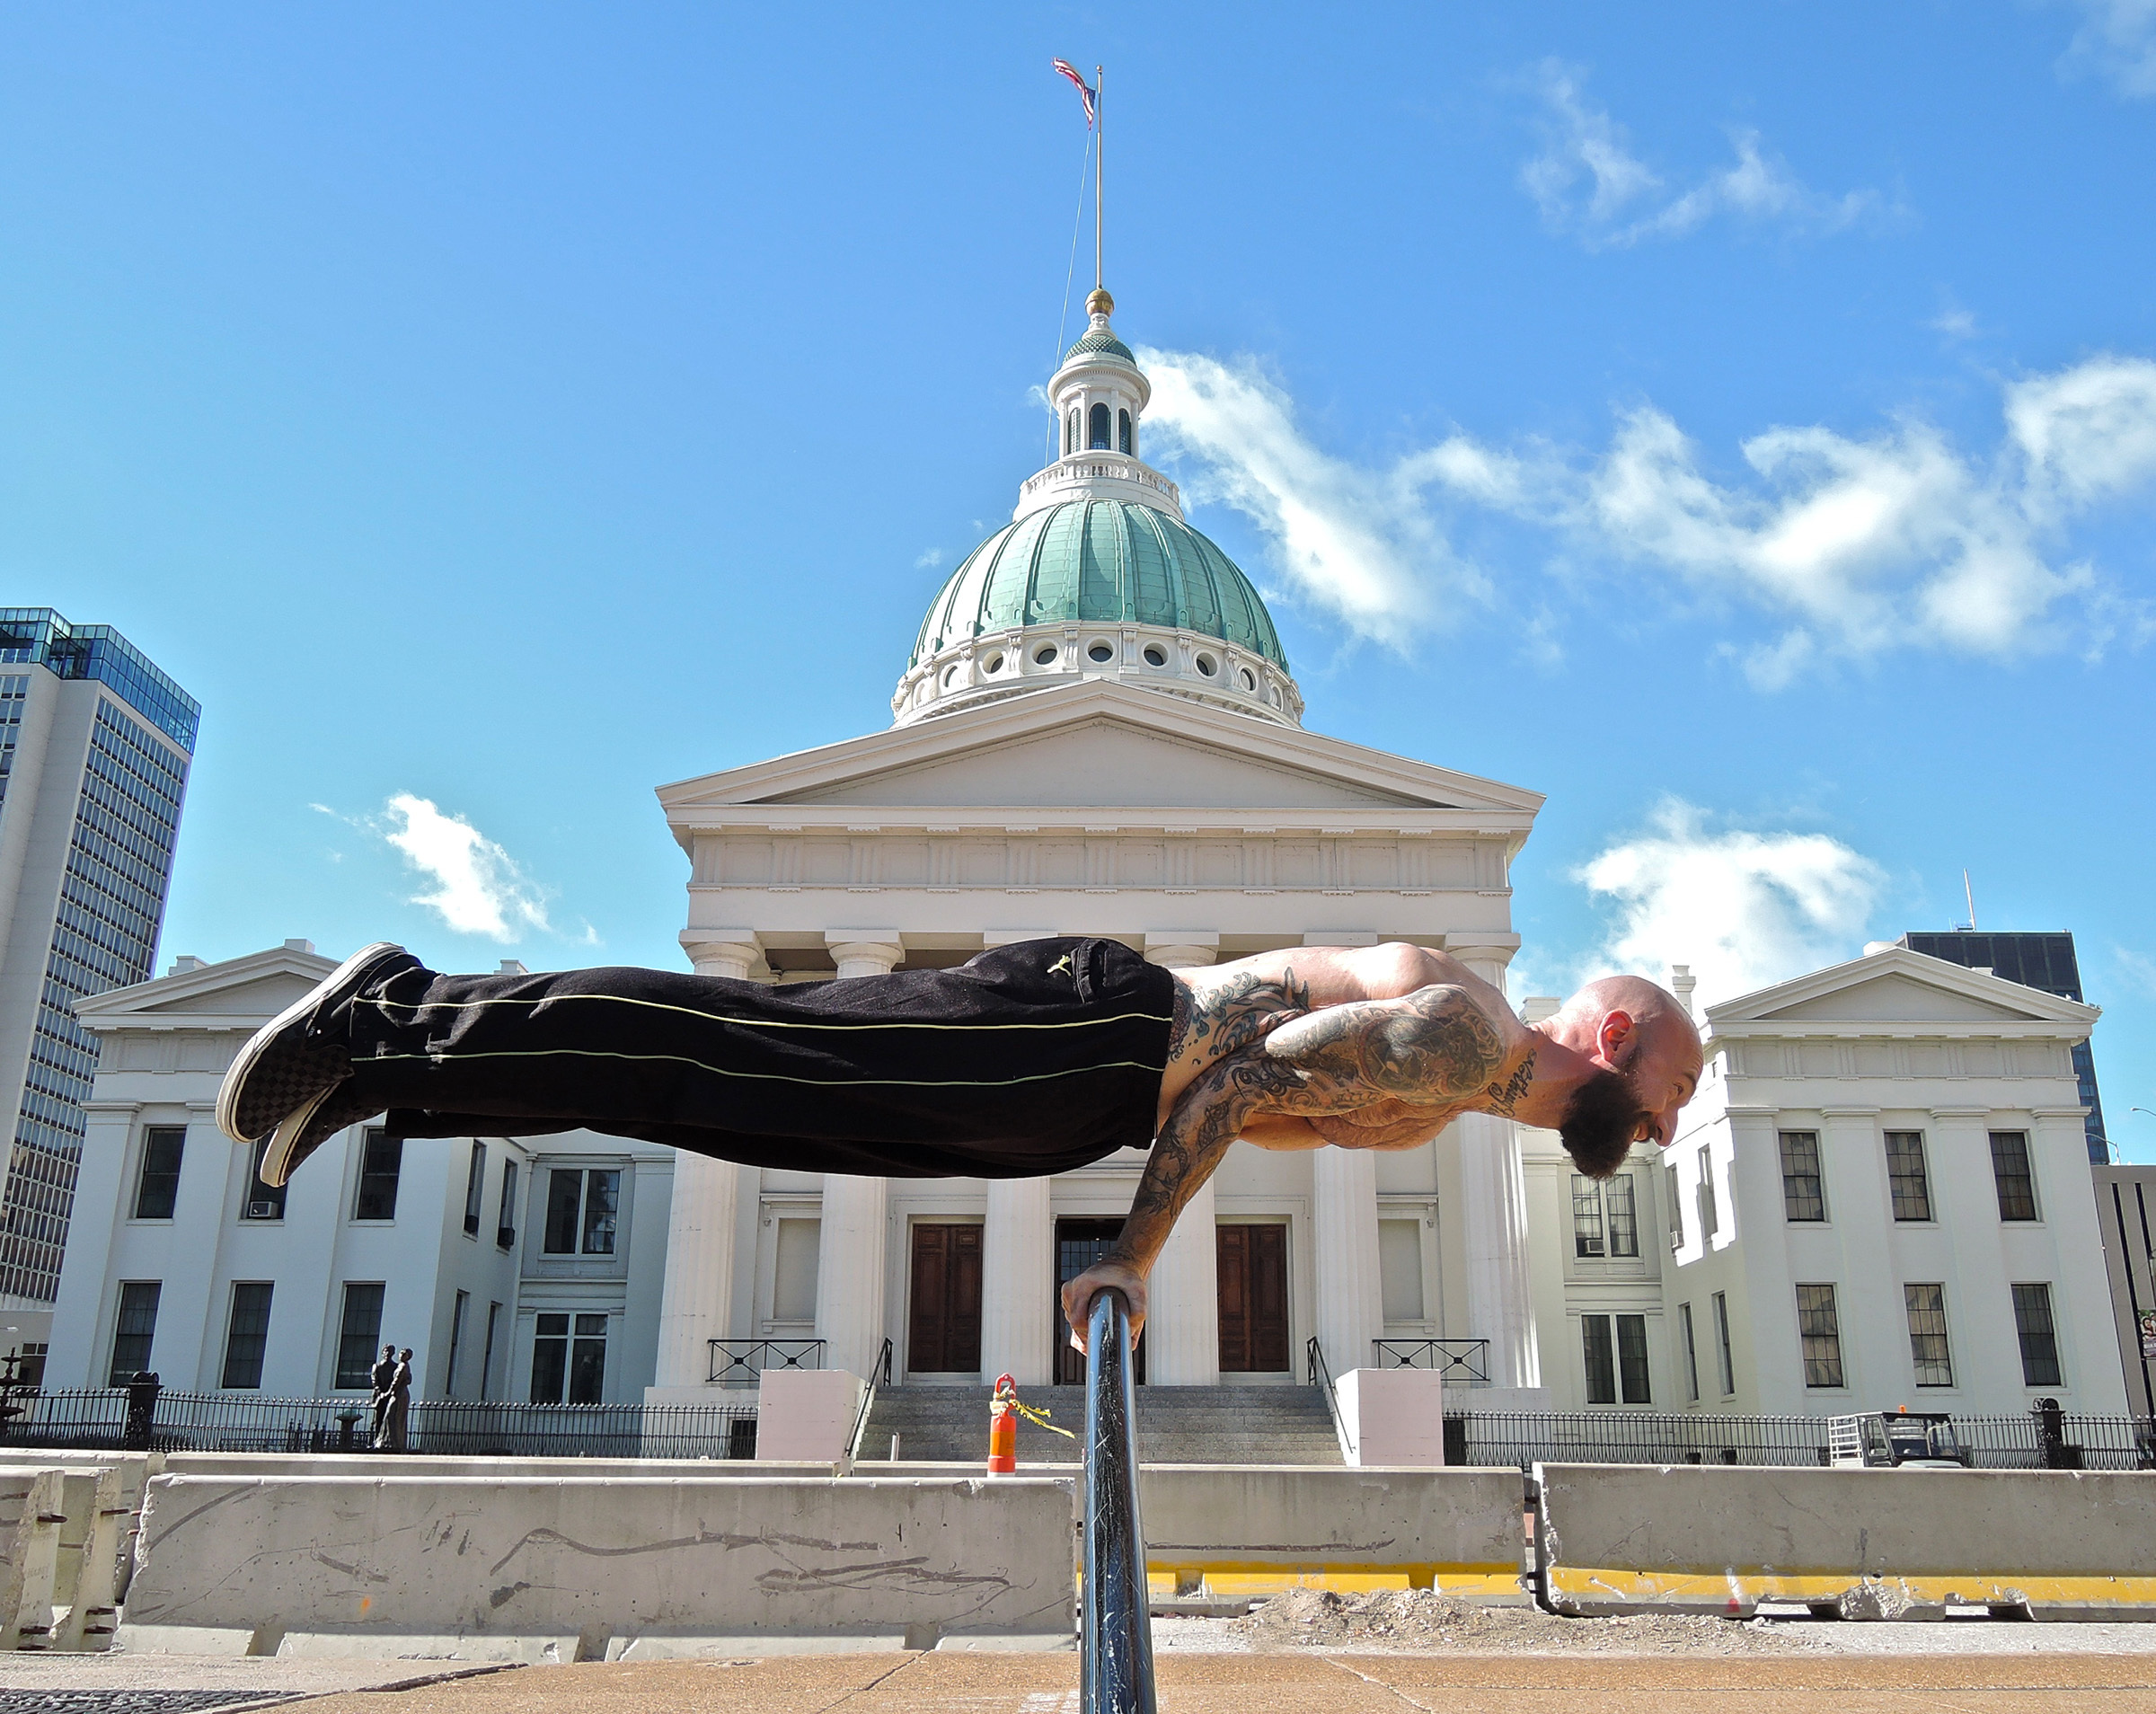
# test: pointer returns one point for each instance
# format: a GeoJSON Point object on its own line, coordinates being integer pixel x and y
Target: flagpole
{"type": "Point", "coordinates": [1100, 157]}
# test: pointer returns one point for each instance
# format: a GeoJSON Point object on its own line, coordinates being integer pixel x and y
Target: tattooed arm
{"type": "Point", "coordinates": [1427, 1051]}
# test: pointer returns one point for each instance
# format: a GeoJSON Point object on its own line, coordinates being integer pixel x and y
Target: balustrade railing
{"type": "Point", "coordinates": [737, 1363]}
{"type": "Point", "coordinates": [1456, 1359]}
{"type": "Point", "coordinates": [1080, 467]}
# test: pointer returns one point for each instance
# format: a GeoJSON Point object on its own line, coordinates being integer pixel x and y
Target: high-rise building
{"type": "Point", "coordinates": [2043, 961]}
{"type": "Point", "coordinates": [94, 748]}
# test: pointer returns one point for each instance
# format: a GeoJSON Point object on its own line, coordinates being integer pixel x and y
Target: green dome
{"type": "Point", "coordinates": [1099, 561]}
{"type": "Point", "coordinates": [1097, 342]}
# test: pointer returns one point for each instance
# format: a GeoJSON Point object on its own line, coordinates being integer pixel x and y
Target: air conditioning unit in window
{"type": "Point", "coordinates": [1676, 1241]}
{"type": "Point", "coordinates": [263, 1211]}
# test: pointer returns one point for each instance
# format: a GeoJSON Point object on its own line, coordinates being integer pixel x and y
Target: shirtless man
{"type": "Point", "coordinates": [1028, 1060]}
{"type": "Point", "coordinates": [1381, 1047]}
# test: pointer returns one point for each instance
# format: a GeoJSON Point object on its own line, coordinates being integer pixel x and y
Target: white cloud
{"type": "Point", "coordinates": [1742, 909]}
{"type": "Point", "coordinates": [930, 559]}
{"type": "Point", "coordinates": [2140, 968]}
{"type": "Point", "coordinates": [2118, 41]}
{"type": "Point", "coordinates": [1587, 182]}
{"type": "Point", "coordinates": [478, 888]}
{"type": "Point", "coordinates": [1956, 323]}
{"type": "Point", "coordinates": [1364, 545]}
{"type": "Point", "coordinates": [1852, 546]}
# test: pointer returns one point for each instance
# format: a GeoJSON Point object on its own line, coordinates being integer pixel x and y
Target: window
{"type": "Point", "coordinates": [2039, 1338]}
{"type": "Point", "coordinates": [1631, 1359]}
{"type": "Point", "coordinates": [505, 1231]}
{"type": "Point", "coordinates": [1070, 434]}
{"type": "Point", "coordinates": [1588, 1238]}
{"type": "Point", "coordinates": [476, 1188]}
{"type": "Point", "coordinates": [583, 1207]}
{"type": "Point", "coordinates": [1725, 1362]}
{"type": "Point", "coordinates": [1123, 440]}
{"type": "Point", "coordinates": [264, 1202]}
{"type": "Point", "coordinates": [1691, 1355]}
{"type": "Point", "coordinates": [30, 1363]}
{"type": "Point", "coordinates": [2009, 1169]}
{"type": "Point", "coordinates": [794, 1265]}
{"type": "Point", "coordinates": [1616, 1367]}
{"type": "Point", "coordinates": [1399, 1270]}
{"type": "Point", "coordinates": [1674, 1184]}
{"type": "Point", "coordinates": [379, 1166]}
{"type": "Point", "coordinates": [486, 1356]}
{"type": "Point", "coordinates": [358, 1333]}
{"type": "Point", "coordinates": [247, 1333]}
{"type": "Point", "coordinates": [1820, 1329]}
{"type": "Point", "coordinates": [134, 1330]}
{"type": "Point", "coordinates": [159, 1187]}
{"type": "Point", "coordinates": [1803, 1191]}
{"type": "Point", "coordinates": [1711, 1221]}
{"type": "Point", "coordinates": [1097, 426]}
{"type": "Point", "coordinates": [456, 1339]}
{"type": "Point", "coordinates": [560, 1362]}
{"type": "Point", "coordinates": [1927, 1307]}
{"type": "Point", "coordinates": [1602, 1365]}
{"type": "Point", "coordinates": [1906, 1178]}
{"type": "Point", "coordinates": [1624, 1220]}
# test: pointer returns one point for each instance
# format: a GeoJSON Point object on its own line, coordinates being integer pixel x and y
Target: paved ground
{"type": "Point", "coordinates": [2060, 1669]}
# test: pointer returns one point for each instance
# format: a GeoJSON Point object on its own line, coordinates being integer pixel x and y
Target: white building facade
{"type": "Point", "coordinates": [514, 1268]}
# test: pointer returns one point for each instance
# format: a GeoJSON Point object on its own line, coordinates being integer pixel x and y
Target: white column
{"type": "Point", "coordinates": [1349, 1288]}
{"type": "Point", "coordinates": [1182, 1296]}
{"type": "Point", "coordinates": [696, 1300]}
{"type": "Point", "coordinates": [1020, 1317]}
{"type": "Point", "coordinates": [850, 1253]}
{"type": "Point", "coordinates": [1493, 1226]}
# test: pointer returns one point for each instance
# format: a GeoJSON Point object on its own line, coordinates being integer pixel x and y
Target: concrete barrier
{"type": "Point", "coordinates": [133, 1471]}
{"type": "Point", "coordinates": [406, 1464]}
{"type": "Point", "coordinates": [568, 1568]}
{"type": "Point", "coordinates": [1222, 1533]}
{"type": "Point", "coordinates": [1866, 1544]}
{"type": "Point", "coordinates": [29, 1538]}
{"type": "Point", "coordinates": [85, 1592]}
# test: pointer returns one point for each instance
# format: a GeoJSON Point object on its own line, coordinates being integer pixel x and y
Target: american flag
{"type": "Point", "coordinates": [1065, 68]}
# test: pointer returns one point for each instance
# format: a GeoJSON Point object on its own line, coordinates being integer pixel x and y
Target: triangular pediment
{"type": "Point", "coordinates": [1898, 987]}
{"type": "Point", "coordinates": [1102, 744]}
{"type": "Point", "coordinates": [259, 986]}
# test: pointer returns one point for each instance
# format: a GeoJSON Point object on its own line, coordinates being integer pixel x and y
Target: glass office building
{"type": "Point", "coordinates": [96, 742]}
{"type": "Point", "coordinates": [2043, 961]}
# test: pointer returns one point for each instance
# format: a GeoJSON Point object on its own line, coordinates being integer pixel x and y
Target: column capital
{"type": "Point", "coordinates": [722, 952]}
{"type": "Point", "coordinates": [1182, 949]}
{"type": "Point", "coordinates": [864, 952]}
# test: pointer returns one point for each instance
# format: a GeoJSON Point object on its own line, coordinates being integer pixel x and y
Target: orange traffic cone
{"type": "Point", "coordinates": [1002, 1429]}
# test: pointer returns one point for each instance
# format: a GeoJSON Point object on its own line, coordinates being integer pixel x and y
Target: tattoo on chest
{"type": "Point", "coordinates": [1232, 1016]}
{"type": "Point", "coordinates": [1506, 1096]}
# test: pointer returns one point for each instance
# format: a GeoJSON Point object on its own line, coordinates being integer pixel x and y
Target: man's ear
{"type": "Point", "coordinates": [1617, 1028]}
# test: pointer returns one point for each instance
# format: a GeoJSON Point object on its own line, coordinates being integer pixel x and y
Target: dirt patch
{"type": "Point", "coordinates": [1419, 1619]}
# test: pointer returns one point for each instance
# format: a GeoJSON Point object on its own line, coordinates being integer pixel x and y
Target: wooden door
{"type": "Point", "coordinates": [943, 1330]}
{"type": "Point", "coordinates": [1253, 1299]}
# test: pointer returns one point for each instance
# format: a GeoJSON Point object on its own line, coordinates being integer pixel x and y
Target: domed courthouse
{"type": "Point", "coordinates": [1098, 733]}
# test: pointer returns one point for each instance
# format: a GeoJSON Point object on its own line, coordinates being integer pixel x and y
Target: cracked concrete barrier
{"type": "Point", "coordinates": [1222, 1532]}
{"type": "Point", "coordinates": [1861, 1543]}
{"type": "Point", "coordinates": [561, 1569]}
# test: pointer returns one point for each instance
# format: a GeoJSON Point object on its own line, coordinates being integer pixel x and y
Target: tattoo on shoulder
{"type": "Point", "coordinates": [1178, 1027]}
{"type": "Point", "coordinates": [1237, 1012]}
{"type": "Point", "coordinates": [1506, 1096]}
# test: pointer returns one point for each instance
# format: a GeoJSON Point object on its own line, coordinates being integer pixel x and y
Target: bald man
{"type": "Point", "coordinates": [1026, 1061]}
{"type": "Point", "coordinates": [1381, 1047]}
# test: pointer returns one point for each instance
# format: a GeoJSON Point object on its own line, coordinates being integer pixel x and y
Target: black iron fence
{"type": "Point", "coordinates": [149, 1418]}
{"type": "Point", "coordinates": [2038, 1441]}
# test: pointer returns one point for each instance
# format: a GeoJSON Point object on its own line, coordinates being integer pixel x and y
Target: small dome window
{"type": "Point", "coordinates": [1070, 433]}
{"type": "Point", "coordinates": [1124, 443]}
{"type": "Point", "coordinates": [1206, 664]}
{"type": "Point", "coordinates": [1045, 656]}
{"type": "Point", "coordinates": [1097, 422]}
{"type": "Point", "coordinates": [1249, 679]}
{"type": "Point", "coordinates": [950, 675]}
{"type": "Point", "coordinates": [1273, 696]}
{"type": "Point", "coordinates": [1100, 651]}
{"type": "Point", "coordinates": [993, 663]}
{"type": "Point", "coordinates": [1155, 656]}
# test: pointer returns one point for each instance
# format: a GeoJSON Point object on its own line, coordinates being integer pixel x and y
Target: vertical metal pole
{"type": "Point", "coordinates": [1100, 163]}
{"type": "Point", "coordinates": [1115, 1663]}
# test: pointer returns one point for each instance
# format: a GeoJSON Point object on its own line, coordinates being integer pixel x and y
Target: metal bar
{"type": "Point", "coordinates": [1115, 1667]}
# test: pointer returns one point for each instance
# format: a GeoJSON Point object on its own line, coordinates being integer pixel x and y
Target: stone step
{"type": "Point", "coordinates": [1237, 1425]}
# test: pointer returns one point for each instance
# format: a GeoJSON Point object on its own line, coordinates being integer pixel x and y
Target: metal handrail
{"type": "Point", "coordinates": [1468, 1357]}
{"type": "Point", "coordinates": [879, 1374]}
{"type": "Point", "coordinates": [1322, 1376]}
{"type": "Point", "coordinates": [1115, 1668]}
{"type": "Point", "coordinates": [742, 1363]}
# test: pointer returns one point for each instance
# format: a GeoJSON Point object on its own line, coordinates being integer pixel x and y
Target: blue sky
{"type": "Point", "coordinates": [1738, 424]}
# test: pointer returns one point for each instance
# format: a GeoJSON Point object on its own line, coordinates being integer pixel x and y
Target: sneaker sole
{"type": "Point", "coordinates": [245, 1061]}
{"type": "Point", "coordinates": [280, 1159]}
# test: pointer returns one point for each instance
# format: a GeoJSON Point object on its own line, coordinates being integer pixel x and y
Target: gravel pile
{"type": "Point", "coordinates": [1422, 1620]}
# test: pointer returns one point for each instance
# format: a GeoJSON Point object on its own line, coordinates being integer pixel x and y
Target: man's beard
{"type": "Point", "coordinates": [1599, 1120]}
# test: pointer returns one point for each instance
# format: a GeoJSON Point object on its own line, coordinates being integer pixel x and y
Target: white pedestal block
{"type": "Point", "coordinates": [808, 1414]}
{"type": "Point", "coordinates": [1392, 1415]}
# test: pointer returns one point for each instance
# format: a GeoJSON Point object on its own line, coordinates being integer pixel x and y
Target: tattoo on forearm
{"type": "Point", "coordinates": [1506, 1096]}
{"type": "Point", "coordinates": [1194, 1141]}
